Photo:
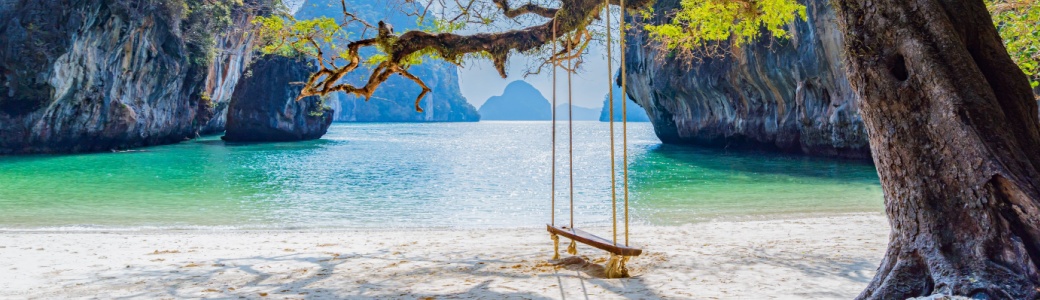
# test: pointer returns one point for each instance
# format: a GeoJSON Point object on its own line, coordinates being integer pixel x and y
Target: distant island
{"type": "Point", "coordinates": [523, 102]}
{"type": "Point", "coordinates": [519, 102]}
{"type": "Point", "coordinates": [635, 112]}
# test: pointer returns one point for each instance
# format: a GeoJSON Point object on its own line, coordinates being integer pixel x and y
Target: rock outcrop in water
{"type": "Point", "coordinates": [264, 106]}
{"type": "Point", "coordinates": [519, 102]}
{"type": "Point", "coordinates": [635, 113]}
{"type": "Point", "coordinates": [789, 95]}
{"type": "Point", "coordinates": [96, 75]}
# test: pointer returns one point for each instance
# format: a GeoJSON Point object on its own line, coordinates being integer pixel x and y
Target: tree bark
{"type": "Point", "coordinates": [955, 136]}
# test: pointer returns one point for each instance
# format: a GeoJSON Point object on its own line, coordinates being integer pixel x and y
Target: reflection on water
{"type": "Point", "coordinates": [683, 184]}
{"type": "Point", "coordinates": [488, 174]}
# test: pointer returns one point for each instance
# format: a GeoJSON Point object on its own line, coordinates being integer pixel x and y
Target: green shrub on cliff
{"type": "Point", "coordinates": [701, 23]}
{"type": "Point", "coordinates": [696, 28]}
{"type": "Point", "coordinates": [203, 20]}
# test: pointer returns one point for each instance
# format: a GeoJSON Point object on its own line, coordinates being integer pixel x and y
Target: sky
{"type": "Point", "coordinates": [479, 80]}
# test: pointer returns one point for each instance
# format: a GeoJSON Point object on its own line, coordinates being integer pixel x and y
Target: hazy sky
{"type": "Point", "coordinates": [479, 80]}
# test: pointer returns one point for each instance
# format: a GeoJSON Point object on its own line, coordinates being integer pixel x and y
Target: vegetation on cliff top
{"type": "Point", "coordinates": [700, 24]}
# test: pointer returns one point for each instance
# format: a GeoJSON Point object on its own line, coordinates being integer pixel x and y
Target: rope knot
{"type": "Point", "coordinates": [556, 247]}
{"type": "Point", "coordinates": [616, 266]}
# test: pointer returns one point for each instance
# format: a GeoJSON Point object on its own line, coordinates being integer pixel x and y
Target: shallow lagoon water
{"type": "Point", "coordinates": [429, 175]}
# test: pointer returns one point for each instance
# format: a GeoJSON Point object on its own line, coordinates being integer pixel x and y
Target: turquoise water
{"type": "Point", "coordinates": [444, 175]}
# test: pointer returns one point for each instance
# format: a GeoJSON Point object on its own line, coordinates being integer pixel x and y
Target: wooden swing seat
{"type": "Point", "coordinates": [586, 238]}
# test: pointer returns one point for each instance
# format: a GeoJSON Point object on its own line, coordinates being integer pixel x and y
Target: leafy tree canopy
{"type": "Point", "coordinates": [700, 22]}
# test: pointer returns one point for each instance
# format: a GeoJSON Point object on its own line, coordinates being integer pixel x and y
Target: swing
{"type": "Point", "coordinates": [620, 252]}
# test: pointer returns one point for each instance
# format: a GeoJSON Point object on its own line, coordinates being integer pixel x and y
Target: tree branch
{"type": "Point", "coordinates": [572, 16]}
{"type": "Point", "coordinates": [529, 8]}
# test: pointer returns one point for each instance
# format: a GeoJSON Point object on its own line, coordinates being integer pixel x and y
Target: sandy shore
{"type": "Point", "coordinates": [811, 258]}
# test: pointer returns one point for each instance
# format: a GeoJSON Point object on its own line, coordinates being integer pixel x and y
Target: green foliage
{"type": "Point", "coordinates": [320, 107]}
{"type": "Point", "coordinates": [206, 99]}
{"type": "Point", "coordinates": [699, 22]}
{"type": "Point", "coordinates": [647, 13]}
{"type": "Point", "coordinates": [202, 21]}
{"type": "Point", "coordinates": [1017, 21]}
{"type": "Point", "coordinates": [286, 36]}
{"type": "Point", "coordinates": [441, 26]}
{"type": "Point", "coordinates": [322, 36]}
{"type": "Point", "coordinates": [414, 59]}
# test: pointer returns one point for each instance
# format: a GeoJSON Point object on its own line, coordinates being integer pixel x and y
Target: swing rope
{"type": "Point", "coordinates": [615, 267]}
{"type": "Point", "coordinates": [624, 116]}
{"type": "Point", "coordinates": [555, 238]}
{"type": "Point", "coordinates": [610, 95]}
{"type": "Point", "coordinates": [573, 248]}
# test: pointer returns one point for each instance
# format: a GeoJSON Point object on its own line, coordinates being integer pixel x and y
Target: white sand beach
{"type": "Point", "coordinates": [807, 258]}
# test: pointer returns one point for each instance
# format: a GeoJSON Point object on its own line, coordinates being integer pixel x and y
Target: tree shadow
{"type": "Point", "coordinates": [818, 271]}
{"type": "Point", "coordinates": [321, 276]}
{"type": "Point", "coordinates": [592, 271]}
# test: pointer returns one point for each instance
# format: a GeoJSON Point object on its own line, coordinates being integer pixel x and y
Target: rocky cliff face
{"type": "Point", "coordinates": [789, 95]}
{"type": "Point", "coordinates": [634, 112]}
{"type": "Point", "coordinates": [264, 107]}
{"type": "Point", "coordinates": [234, 51]}
{"type": "Point", "coordinates": [93, 75]}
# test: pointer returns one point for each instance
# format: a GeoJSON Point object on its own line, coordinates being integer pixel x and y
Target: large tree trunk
{"type": "Point", "coordinates": [956, 139]}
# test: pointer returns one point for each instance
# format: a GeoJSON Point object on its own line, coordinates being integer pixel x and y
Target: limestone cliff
{"type": "Point", "coordinates": [234, 51]}
{"type": "Point", "coordinates": [786, 95]}
{"type": "Point", "coordinates": [633, 111]}
{"type": "Point", "coordinates": [94, 75]}
{"type": "Point", "coordinates": [264, 106]}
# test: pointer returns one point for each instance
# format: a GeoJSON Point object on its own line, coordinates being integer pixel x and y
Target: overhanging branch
{"type": "Point", "coordinates": [529, 8]}
{"type": "Point", "coordinates": [572, 16]}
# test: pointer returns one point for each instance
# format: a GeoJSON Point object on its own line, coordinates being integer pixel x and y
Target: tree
{"type": "Point", "coordinates": [952, 121]}
{"type": "Point", "coordinates": [954, 133]}
{"type": "Point", "coordinates": [953, 130]}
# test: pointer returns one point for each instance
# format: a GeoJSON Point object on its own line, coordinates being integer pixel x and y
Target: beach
{"type": "Point", "coordinates": [831, 257]}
